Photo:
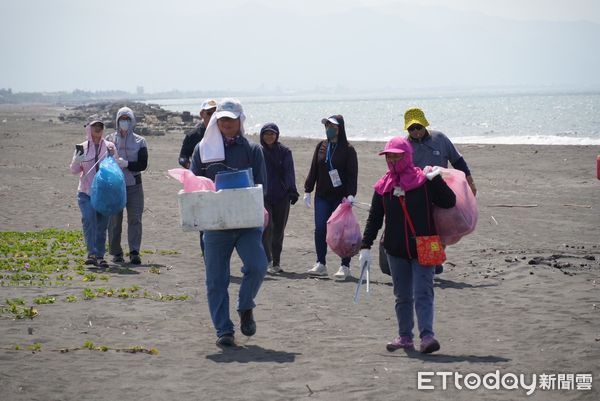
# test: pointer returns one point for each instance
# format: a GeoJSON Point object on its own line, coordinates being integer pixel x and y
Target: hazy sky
{"type": "Point", "coordinates": [51, 45]}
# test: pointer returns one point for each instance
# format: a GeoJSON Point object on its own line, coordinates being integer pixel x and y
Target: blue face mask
{"type": "Point", "coordinates": [124, 125]}
{"type": "Point", "coordinates": [331, 132]}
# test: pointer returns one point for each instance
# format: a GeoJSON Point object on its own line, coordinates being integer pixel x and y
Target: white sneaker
{"type": "Point", "coordinates": [318, 269]}
{"type": "Point", "coordinates": [274, 269]}
{"type": "Point", "coordinates": [342, 273]}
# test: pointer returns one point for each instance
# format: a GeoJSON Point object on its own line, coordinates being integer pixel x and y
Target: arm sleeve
{"type": "Point", "coordinates": [196, 166]}
{"type": "Point", "coordinates": [289, 173]}
{"type": "Point", "coordinates": [75, 167]}
{"type": "Point", "coordinates": [451, 151]}
{"type": "Point", "coordinates": [142, 161]}
{"type": "Point", "coordinates": [442, 195]}
{"type": "Point", "coordinates": [374, 221]}
{"type": "Point", "coordinates": [352, 172]}
{"type": "Point", "coordinates": [259, 169]}
{"type": "Point", "coordinates": [186, 147]}
{"type": "Point", "coordinates": [461, 165]}
{"type": "Point", "coordinates": [311, 178]}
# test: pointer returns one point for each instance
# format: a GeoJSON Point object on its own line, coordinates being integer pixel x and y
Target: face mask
{"type": "Point", "coordinates": [124, 125]}
{"type": "Point", "coordinates": [397, 167]}
{"type": "Point", "coordinates": [331, 132]}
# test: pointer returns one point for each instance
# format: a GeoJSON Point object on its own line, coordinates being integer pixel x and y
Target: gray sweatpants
{"type": "Point", "coordinates": [135, 207]}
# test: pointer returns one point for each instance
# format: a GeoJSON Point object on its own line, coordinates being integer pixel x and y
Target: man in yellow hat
{"type": "Point", "coordinates": [433, 148]}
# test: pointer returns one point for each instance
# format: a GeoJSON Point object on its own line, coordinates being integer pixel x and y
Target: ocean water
{"type": "Point", "coordinates": [520, 118]}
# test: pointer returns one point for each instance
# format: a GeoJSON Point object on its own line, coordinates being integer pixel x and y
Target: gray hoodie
{"type": "Point", "coordinates": [131, 147]}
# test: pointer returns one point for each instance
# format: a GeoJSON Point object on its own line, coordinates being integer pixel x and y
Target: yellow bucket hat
{"type": "Point", "coordinates": [414, 116]}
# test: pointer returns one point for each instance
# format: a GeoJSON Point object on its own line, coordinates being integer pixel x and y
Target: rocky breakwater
{"type": "Point", "coordinates": [151, 118]}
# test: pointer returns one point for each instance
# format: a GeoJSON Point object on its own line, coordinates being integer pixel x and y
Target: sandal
{"type": "Point", "coordinates": [91, 260]}
{"type": "Point", "coordinates": [102, 263]}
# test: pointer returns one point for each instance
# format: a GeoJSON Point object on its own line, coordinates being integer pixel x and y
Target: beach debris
{"type": "Point", "coordinates": [310, 392]}
{"type": "Point", "coordinates": [495, 221]}
{"type": "Point", "coordinates": [509, 205]}
{"type": "Point", "coordinates": [576, 205]}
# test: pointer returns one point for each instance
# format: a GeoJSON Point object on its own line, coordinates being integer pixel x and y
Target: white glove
{"type": "Point", "coordinates": [365, 256]}
{"type": "Point", "coordinates": [432, 172]}
{"type": "Point", "coordinates": [307, 200]}
{"type": "Point", "coordinates": [122, 162]}
{"type": "Point", "coordinates": [350, 199]}
{"type": "Point", "coordinates": [78, 158]}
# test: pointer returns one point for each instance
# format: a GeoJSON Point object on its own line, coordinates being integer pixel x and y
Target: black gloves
{"type": "Point", "coordinates": [294, 197]}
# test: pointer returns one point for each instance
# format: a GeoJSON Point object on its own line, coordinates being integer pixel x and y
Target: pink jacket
{"type": "Point", "coordinates": [93, 153]}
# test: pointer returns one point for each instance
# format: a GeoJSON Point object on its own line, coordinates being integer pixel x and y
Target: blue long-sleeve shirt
{"type": "Point", "coordinates": [242, 154]}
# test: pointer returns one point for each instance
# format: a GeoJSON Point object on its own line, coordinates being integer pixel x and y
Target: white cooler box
{"type": "Point", "coordinates": [222, 210]}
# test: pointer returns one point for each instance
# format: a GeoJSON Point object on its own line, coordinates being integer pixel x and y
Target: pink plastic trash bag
{"type": "Point", "coordinates": [454, 223]}
{"type": "Point", "coordinates": [190, 181]}
{"type": "Point", "coordinates": [343, 232]}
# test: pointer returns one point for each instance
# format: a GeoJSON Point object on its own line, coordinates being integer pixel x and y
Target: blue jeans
{"type": "Point", "coordinates": [323, 210]}
{"type": "Point", "coordinates": [218, 248]}
{"type": "Point", "coordinates": [94, 226]}
{"type": "Point", "coordinates": [413, 286]}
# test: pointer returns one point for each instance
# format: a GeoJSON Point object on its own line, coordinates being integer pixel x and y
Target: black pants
{"type": "Point", "coordinates": [273, 235]}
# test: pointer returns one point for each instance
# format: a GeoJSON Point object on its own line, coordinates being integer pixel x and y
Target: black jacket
{"type": "Point", "coordinates": [343, 159]}
{"type": "Point", "coordinates": [398, 238]}
{"type": "Point", "coordinates": [189, 143]}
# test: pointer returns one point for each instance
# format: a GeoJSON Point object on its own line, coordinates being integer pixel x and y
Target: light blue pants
{"type": "Point", "coordinates": [413, 287]}
{"type": "Point", "coordinates": [218, 248]}
{"type": "Point", "coordinates": [94, 226]}
{"type": "Point", "coordinates": [135, 207]}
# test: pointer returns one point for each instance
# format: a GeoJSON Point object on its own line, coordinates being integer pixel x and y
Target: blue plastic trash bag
{"type": "Point", "coordinates": [108, 193]}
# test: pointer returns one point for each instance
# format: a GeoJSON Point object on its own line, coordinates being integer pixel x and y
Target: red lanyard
{"type": "Point", "coordinates": [407, 216]}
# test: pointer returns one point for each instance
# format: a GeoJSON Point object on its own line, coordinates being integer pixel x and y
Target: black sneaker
{"type": "Point", "coordinates": [439, 269]}
{"type": "Point", "coordinates": [118, 258]}
{"type": "Point", "coordinates": [247, 323]}
{"type": "Point", "coordinates": [134, 257]}
{"type": "Point", "coordinates": [226, 340]}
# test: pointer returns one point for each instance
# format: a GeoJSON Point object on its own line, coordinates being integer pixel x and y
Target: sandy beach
{"type": "Point", "coordinates": [521, 295]}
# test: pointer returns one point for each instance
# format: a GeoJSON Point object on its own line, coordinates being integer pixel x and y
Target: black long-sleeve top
{"type": "Point", "coordinates": [398, 239]}
{"type": "Point", "coordinates": [344, 160]}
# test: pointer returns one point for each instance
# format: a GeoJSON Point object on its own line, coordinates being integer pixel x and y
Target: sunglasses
{"type": "Point", "coordinates": [415, 127]}
{"type": "Point", "coordinates": [210, 112]}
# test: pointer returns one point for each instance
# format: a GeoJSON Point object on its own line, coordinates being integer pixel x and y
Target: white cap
{"type": "Point", "coordinates": [229, 107]}
{"type": "Point", "coordinates": [332, 120]}
{"type": "Point", "coordinates": [208, 104]}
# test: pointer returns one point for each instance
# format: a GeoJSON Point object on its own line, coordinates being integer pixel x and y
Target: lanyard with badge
{"type": "Point", "coordinates": [336, 181]}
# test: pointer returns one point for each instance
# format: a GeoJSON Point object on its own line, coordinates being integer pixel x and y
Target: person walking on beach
{"type": "Point", "coordinates": [404, 198]}
{"type": "Point", "coordinates": [133, 159]}
{"type": "Point", "coordinates": [193, 137]}
{"type": "Point", "coordinates": [281, 192]}
{"type": "Point", "coordinates": [433, 148]}
{"type": "Point", "coordinates": [334, 171]}
{"type": "Point", "coordinates": [224, 147]}
{"type": "Point", "coordinates": [85, 163]}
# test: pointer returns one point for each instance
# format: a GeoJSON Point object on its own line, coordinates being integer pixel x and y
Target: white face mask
{"type": "Point", "coordinates": [124, 125]}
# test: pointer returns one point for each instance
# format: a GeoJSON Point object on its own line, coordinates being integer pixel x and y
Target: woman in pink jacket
{"type": "Point", "coordinates": [86, 162]}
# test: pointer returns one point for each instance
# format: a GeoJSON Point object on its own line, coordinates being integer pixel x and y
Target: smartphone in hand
{"type": "Point", "coordinates": [79, 149]}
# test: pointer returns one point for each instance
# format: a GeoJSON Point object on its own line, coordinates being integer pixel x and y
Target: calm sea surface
{"type": "Point", "coordinates": [558, 119]}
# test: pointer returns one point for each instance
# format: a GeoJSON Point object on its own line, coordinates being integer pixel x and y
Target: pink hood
{"type": "Point", "coordinates": [402, 173]}
{"type": "Point", "coordinates": [86, 169]}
